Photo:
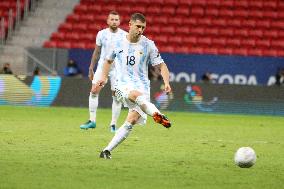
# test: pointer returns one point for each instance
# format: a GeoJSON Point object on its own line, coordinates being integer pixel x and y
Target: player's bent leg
{"type": "Point", "coordinates": [150, 109]}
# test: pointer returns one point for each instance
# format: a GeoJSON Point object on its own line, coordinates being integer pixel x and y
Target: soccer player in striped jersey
{"type": "Point", "coordinates": [132, 55]}
{"type": "Point", "coordinates": [104, 37]}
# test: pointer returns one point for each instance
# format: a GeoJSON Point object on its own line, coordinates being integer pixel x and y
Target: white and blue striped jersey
{"type": "Point", "coordinates": [131, 62]}
{"type": "Point", "coordinates": [105, 37]}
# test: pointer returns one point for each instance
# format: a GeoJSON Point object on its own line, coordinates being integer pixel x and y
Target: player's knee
{"type": "Point", "coordinates": [141, 100]}
{"type": "Point", "coordinates": [133, 95]}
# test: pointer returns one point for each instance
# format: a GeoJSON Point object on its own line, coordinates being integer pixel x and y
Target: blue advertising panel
{"type": "Point", "coordinates": [243, 70]}
{"type": "Point", "coordinates": [224, 69]}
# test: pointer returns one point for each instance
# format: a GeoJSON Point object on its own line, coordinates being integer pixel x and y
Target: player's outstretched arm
{"type": "Point", "coordinates": [94, 60]}
{"type": "Point", "coordinates": [166, 77]}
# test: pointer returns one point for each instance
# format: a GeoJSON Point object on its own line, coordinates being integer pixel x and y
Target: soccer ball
{"type": "Point", "coordinates": [245, 157]}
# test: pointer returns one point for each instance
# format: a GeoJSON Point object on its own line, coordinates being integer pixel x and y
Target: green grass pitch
{"type": "Point", "coordinates": [44, 148]}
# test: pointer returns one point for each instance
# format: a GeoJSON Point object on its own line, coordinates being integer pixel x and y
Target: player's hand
{"type": "Point", "coordinates": [168, 88]}
{"type": "Point", "coordinates": [91, 74]}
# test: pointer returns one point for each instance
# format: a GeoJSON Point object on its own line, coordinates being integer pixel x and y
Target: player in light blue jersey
{"type": "Point", "coordinates": [104, 37]}
{"type": "Point", "coordinates": [132, 56]}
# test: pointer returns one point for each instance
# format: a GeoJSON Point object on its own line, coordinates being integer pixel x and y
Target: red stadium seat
{"type": "Point", "coordinates": [196, 31]}
{"type": "Point", "coordinates": [73, 18]}
{"type": "Point", "coordinates": [185, 2]}
{"type": "Point", "coordinates": [240, 51]}
{"type": "Point", "coordinates": [167, 49]}
{"type": "Point", "coordinates": [212, 11]}
{"type": "Point", "coordinates": [175, 40]}
{"type": "Point", "coordinates": [248, 42]}
{"type": "Point", "coordinates": [280, 52]}
{"type": "Point", "coordinates": [181, 49]}
{"type": "Point", "coordinates": [64, 44]}
{"type": "Point", "coordinates": [168, 30]}
{"type": "Point", "coordinates": [160, 20]}
{"type": "Point", "coordinates": [50, 44]}
{"type": "Point", "coordinates": [96, 7]}
{"type": "Point", "coordinates": [249, 23]}
{"type": "Point", "coordinates": [260, 23]}
{"type": "Point", "coordinates": [219, 22]}
{"type": "Point", "coordinates": [190, 40]}
{"type": "Point", "coordinates": [279, 24]}
{"type": "Point", "coordinates": [210, 50]}
{"type": "Point", "coordinates": [242, 4]}
{"type": "Point", "coordinates": [241, 32]}
{"type": "Point", "coordinates": [182, 10]}
{"type": "Point", "coordinates": [80, 27]}
{"type": "Point", "coordinates": [226, 12]}
{"type": "Point", "coordinates": [206, 21]}
{"type": "Point", "coordinates": [191, 21]}
{"type": "Point", "coordinates": [255, 51]}
{"type": "Point", "coordinates": [204, 41]}
{"type": "Point", "coordinates": [233, 42]}
{"type": "Point", "coordinates": [240, 27]}
{"type": "Point", "coordinates": [90, 45]}
{"type": "Point", "coordinates": [171, 2]}
{"type": "Point", "coordinates": [65, 27]}
{"type": "Point", "coordinates": [182, 30]}
{"type": "Point", "coordinates": [153, 10]}
{"type": "Point", "coordinates": [270, 33]}
{"type": "Point", "coordinates": [211, 31]}
{"type": "Point", "coordinates": [177, 20]}
{"type": "Point", "coordinates": [168, 10]}
{"type": "Point", "coordinates": [269, 52]}
{"type": "Point", "coordinates": [78, 45]}
{"type": "Point", "coordinates": [262, 43]}
{"type": "Point", "coordinates": [277, 43]}
{"type": "Point", "coordinates": [195, 50]}
{"type": "Point", "coordinates": [57, 36]}
{"type": "Point", "coordinates": [270, 14]}
{"type": "Point", "coordinates": [161, 39]}
{"type": "Point", "coordinates": [258, 33]}
{"type": "Point", "coordinates": [228, 32]}
{"type": "Point", "coordinates": [256, 4]}
{"type": "Point", "coordinates": [197, 11]}
{"type": "Point", "coordinates": [255, 14]}
{"type": "Point", "coordinates": [240, 13]}
{"type": "Point", "coordinates": [234, 23]}
{"type": "Point", "coordinates": [220, 41]}
{"type": "Point", "coordinates": [225, 50]}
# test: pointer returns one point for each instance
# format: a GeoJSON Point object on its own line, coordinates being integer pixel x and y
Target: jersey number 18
{"type": "Point", "coordinates": [130, 60]}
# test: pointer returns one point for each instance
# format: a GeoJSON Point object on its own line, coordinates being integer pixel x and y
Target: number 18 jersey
{"type": "Point", "coordinates": [132, 60]}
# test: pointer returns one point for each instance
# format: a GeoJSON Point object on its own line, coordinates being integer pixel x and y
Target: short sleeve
{"type": "Point", "coordinates": [110, 52]}
{"type": "Point", "coordinates": [99, 39]}
{"type": "Point", "coordinates": [155, 57]}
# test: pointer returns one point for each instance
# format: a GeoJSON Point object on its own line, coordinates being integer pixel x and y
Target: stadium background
{"type": "Point", "coordinates": [241, 42]}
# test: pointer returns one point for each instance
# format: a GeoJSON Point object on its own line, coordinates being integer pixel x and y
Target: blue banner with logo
{"type": "Point", "coordinates": [223, 69]}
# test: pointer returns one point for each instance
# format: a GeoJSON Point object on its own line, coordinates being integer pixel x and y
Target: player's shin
{"type": "Point", "coordinates": [116, 109]}
{"type": "Point", "coordinates": [146, 106]}
{"type": "Point", "coordinates": [93, 106]}
{"type": "Point", "coordinates": [120, 135]}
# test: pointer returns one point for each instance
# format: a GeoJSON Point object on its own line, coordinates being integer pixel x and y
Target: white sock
{"type": "Point", "coordinates": [146, 106]}
{"type": "Point", "coordinates": [93, 106]}
{"type": "Point", "coordinates": [116, 109]}
{"type": "Point", "coordinates": [120, 135]}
